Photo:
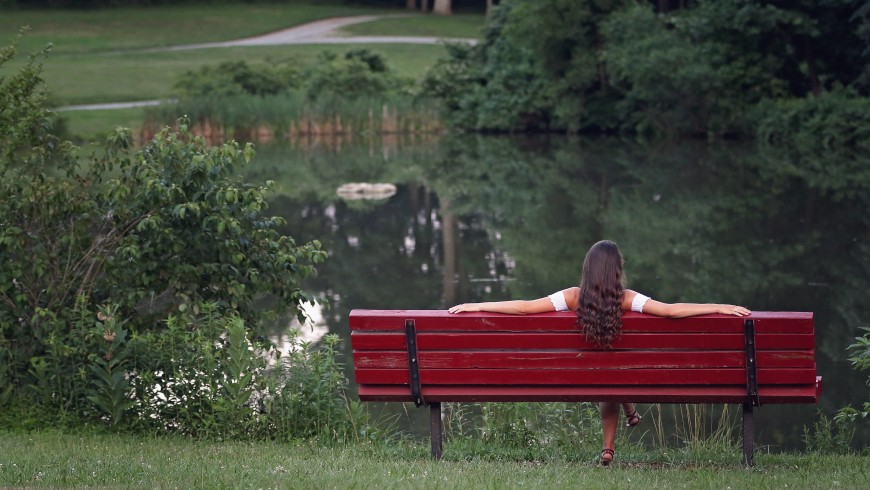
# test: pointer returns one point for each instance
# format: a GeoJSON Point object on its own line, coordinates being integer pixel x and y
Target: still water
{"type": "Point", "coordinates": [479, 218]}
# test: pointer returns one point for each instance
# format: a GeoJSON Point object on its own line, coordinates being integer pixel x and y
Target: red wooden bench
{"type": "Point", "coordinates": [431, 356]}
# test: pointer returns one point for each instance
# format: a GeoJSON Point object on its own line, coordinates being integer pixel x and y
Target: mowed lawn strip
{"type": "Point", "coordinates": [127, 28]}
{"type": "Point", "coordinates": [51, 459]}
{"type": "Point", "coordinates": [467, 26]}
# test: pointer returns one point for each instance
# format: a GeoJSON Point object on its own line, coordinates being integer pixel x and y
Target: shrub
{"type": "Point", "coordinates": [128, 285]}
{"type": "Point", "coordinates": [860, 360]}
{"type": "Point", "coordinates": [838, 119]}
{"type": "Point", "coordinates": [359, 73]}
{"type": "Point", "coordinates": [237, 78]}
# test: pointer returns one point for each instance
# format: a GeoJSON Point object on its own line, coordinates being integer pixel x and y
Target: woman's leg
{"type": "Point", "coordinates": [609, 420]}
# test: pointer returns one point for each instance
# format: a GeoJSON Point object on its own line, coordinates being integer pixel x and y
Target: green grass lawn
{"type": "Point", "coordinates": [458, 25]}
{"type": "Point", "coordinates": [99, 55]}
{"type": "Point", "coordinates": [94, 126]}
{"type": "Point", "coordinates": [119, 77]}
{"type": "Point", "coordinates": [53, 460]}
{"type": "Point", "coordinates": [118, 29]}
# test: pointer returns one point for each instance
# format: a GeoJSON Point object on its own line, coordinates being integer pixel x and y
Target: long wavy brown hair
{"type": "Point", "coordinates": [599, 314]}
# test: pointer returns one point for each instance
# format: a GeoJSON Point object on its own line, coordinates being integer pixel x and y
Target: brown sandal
{"type": "Point", "coordinates": [632, 419]}
{"type": "Point", "coordinates": [606, 457]}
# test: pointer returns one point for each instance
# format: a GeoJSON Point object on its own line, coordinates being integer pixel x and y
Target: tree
{"type": "Point", "coordinates": [150, 234]}
{"type": "Point", "coordinates": [443, 7]}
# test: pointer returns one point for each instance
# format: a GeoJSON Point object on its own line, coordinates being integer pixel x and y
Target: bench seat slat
{"type": "Point", "coordinates": [362, 341]}
{"type": "Point", "coordinates": [440, 320]}
{"type": "Point", "coordinates": [641, 394]}
{"type": "Point", "coordinates": [579, 360]}
{"type": "Point", "coordinates": [586, 376]}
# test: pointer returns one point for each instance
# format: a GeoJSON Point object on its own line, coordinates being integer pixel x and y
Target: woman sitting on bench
{"type": "Point", "coordinates": [599, 302]}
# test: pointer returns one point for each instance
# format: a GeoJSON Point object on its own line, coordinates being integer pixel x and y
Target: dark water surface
{"type": "Point", "coordinates": [490, 218]}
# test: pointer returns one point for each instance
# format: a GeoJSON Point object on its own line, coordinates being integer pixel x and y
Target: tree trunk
{"type": "Point", "coordinates": [488, 7]}
{"type": "Point", "coordinates": [443, 7]}
{"type": "Point", "coordinates": [450, 231]}
{"type": "Point", "coordinates": [411, 4]}
{"type": "Point", "coordinates": [424, 6]}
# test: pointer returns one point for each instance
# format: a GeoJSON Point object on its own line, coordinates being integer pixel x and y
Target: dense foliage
{"type": "Point", "coordinates": [134, 288]}
{"type": "Point", "coordinates": [357, 92]}
{"type": "Point", "coordinates": [618, 65]}
{"type": "Point", "coordinates": [359, 73]}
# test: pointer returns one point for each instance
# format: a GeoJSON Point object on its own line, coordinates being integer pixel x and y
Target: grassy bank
{"type": "Point", "coordinates": [120, 77]}
{"type": "Point", "coordinates": [99, 55]}
{"type": "Point", "coordinates": [51, 460]}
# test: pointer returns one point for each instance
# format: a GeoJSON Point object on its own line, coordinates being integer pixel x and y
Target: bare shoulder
{"type": "Point", "coordinates": [572, 297]}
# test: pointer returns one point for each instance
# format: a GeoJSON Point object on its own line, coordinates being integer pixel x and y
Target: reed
{"type": "Point", "coordinates": [290, 116]}
{"type": "Point", "coordinates": [692, 426]}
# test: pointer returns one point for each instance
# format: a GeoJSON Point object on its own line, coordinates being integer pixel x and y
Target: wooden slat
{"type": "Point", "coordinates": [361, 340]}
{"type": "Point", "coordinates": [492, 357]}
{"type": "Point", "coordinates": [641, 394]}
{"type": "Point", "coordinates": [440, 320]}
{"type": "Point", "coordinates": [582, 360]}
{"type": "Point", "coordinates": [585, 376]}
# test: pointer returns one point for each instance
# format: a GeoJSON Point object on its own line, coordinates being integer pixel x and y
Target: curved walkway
{"type": "Point", "coordinates": [327, 31]}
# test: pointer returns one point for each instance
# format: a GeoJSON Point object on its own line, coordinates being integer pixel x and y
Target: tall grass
{"type": "Point", "coordinates": [575, 428]}
{"type": "Point", "coordinates": [693, 426]}
{"type": "Point", "coordinates": [290, 116]}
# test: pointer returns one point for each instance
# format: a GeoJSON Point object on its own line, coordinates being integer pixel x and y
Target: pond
{"type": "Point", "coordinates": [477, 218]}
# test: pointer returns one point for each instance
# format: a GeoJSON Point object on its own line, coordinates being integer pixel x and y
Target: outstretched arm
{"type": "Point", "coordinates": [682, 310]}
{"type": "Point", "coordinates": [515, 307]}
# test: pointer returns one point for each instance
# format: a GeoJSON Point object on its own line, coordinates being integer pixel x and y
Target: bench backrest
{"type": "Point", "coordinates": [495, 357]}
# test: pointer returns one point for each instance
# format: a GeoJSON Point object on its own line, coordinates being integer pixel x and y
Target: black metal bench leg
{"type": "Point", "coordinates": [435, 428]}
{"type": "Point", "coordinates": [748, 431]}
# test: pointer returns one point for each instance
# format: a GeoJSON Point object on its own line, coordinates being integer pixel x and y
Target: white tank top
{"type": "Point", "coordinates": [560, 304]}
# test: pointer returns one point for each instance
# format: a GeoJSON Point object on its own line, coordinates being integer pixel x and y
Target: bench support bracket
{"type": "Point", "coordinates": [413, 363]}
{"type": "Point", "coordinates": [751, 368]}
{"type": "Point", "coordinates": [752, 400]}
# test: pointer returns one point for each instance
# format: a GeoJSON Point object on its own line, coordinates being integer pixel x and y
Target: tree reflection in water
{"type": "Point", "coordinates": [499, 217]}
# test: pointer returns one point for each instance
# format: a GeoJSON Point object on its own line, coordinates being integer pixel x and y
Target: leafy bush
{"type": "Point", "coordinates": [829, 436]}
{"type": "Point", "coordinates": [359, 73]}
{"type": "Point", "coordinates": [128, 285]}
{"type": "Point", "coordinates": [838, 119]}
{"type": "Point", "coordinates": [237, 78]}
{"type": "Point", "coordinates": [860, 360]}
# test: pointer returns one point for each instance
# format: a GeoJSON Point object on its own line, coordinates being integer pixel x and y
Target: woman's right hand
{"type": "Point", "coordinates": [733, 310]}
{"type": "Point", "coordinates": [464, 307]}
